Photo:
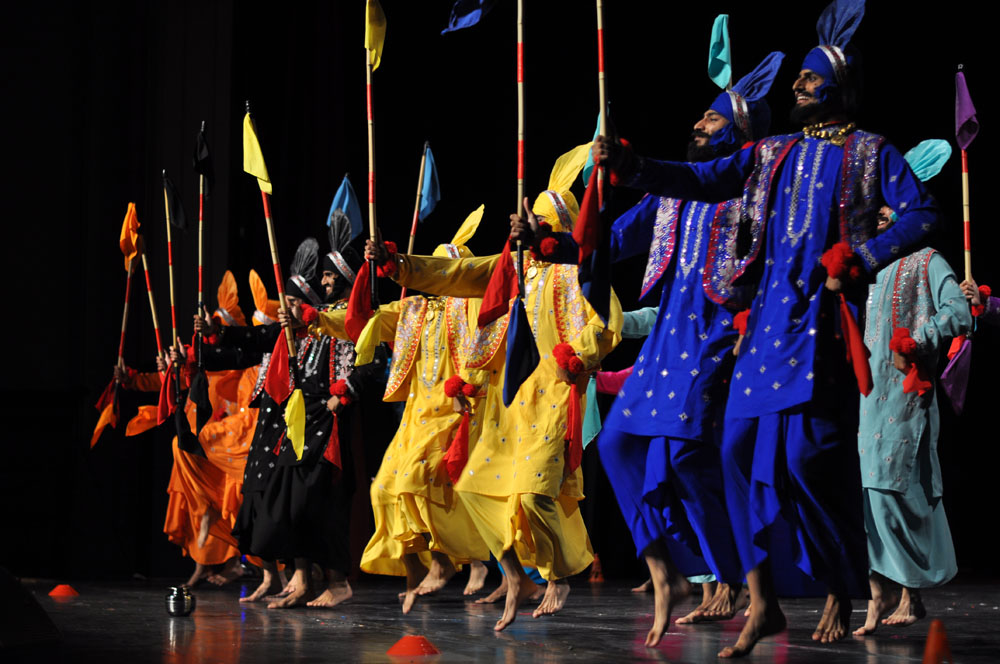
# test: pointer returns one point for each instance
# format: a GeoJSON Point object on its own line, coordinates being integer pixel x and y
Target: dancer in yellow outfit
{"type": "Point", "coordinates": [419, 521]}
{"type": "Point", "coordinates": [515, 485]}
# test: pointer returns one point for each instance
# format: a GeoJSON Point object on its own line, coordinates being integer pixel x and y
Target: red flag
{"type": "Point", "coordinates": [332, 451]}
{"type": "Point", "coordinates": [166, 406]}
{"type": "Point", "coordinates": [107, 396]}
{"type": "Point", "coordinates": [359, 305]}
{"type": "Point", "coordinates": [277, 383]}
{"type": "Point", "coordinates": [501, 288]}
{"type": "Point", "coordinates": [574, 431]}
{"type": "Point", "coordinates": [857, 353]}
{"type": "Point", "coordinates": [458, 452]}
{"type": "Point", "coordinates": [587, 231]}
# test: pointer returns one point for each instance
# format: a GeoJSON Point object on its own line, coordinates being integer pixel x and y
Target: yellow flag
{"type": "Point", "coordinates": [253, 158]}
{"type": "Point", "coordinates": [295, 418]}
{"type": "Point", "coordinates": [364, 350]}
{"type": "Point", "coordinates": [374, 31]}
{"type": "Point", "coordinates": [129, 240]}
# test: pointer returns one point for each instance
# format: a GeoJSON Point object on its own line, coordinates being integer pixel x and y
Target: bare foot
{"type": "Point", "coordinates": [763, 621]}
{"type": "Point", "coordinates": [880, 604]}
{"type": "Point", "coordinates": [722, 606]}
{"type": "Point", "coordinates": [669, 588]}
{"type": "Point", "coordinates": [437, 576]}
{"type": "Point", "coordinates": [268, 585]}
{"type": "Point", "coordinates": [496, 594]}
{"type": "Point", "coordinates": [415, 571]}
{"type": "Point", "coordinates": [230, 572]}
{"type": "Point", "coordinates": [835, 621]}
{"type": "Point", "coordinates": [201, 572]}
{"type": "Point", "coordinates": [554, 600]}
{"type": "Point", "coordinates": [299, 596]}
{"type": "Point", "coordinates": [206, 523]}
{"type": "Point", "coordinates": [477, 578]}
{"type": "Point", "coordinates": [519, 589]}
{"type": "Point", "coordinates": [335, 593]}
{"type": "Point", "coordinates": [698, 614]}
{"type": "Point", "coordinates": [644, 587]}
{"type": "Point", "coordinates": [910, 609]}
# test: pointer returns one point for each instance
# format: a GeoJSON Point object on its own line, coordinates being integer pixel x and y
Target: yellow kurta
{"type": "Point", "coordinates": [514, 484]}
{"type": "Point", "coordinates": [412, 494]}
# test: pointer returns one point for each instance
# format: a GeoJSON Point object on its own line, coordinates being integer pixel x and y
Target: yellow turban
{"type": "Point", "coordinates": [456, 248]}
{"type": "Point", "coordinates": [557, 204]}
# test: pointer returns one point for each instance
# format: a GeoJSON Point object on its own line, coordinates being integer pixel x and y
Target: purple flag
{"type": "Point", "coordinates": [955, 378]}
{"type": "Point", "coordinates": [966, 124]}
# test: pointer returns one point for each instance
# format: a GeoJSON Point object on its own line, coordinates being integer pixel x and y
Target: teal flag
{"type": "Point", "coordinates": [431, 193]}
{"type": "Point", "coordinates": [591, 418]}
{"type": "Point", "coordinates": [720, 62]}
{"type": "Point", "coordinates": [588, 166]}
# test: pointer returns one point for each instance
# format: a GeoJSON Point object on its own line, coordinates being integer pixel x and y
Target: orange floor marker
{"type": "Point", "coordinates": [411, 645]}
{"type": "Point", "coordinates": [596, 573]}
{"type": "Point", "coordinates": [63, 590]}
{"type": "Point", "coordinates": [937, 651]}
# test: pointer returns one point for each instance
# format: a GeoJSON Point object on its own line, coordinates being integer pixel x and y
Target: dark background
{"type": "Point", "coordinates": [99, 97]}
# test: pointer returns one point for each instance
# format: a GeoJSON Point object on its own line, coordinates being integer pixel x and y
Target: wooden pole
{"type": "Point", "coordinates": [128, 293]}
{"type": "Point", "coordinates": [520, 138]}
{"type": "Point", "coordinates": [416, 208]}
{"type": "Point", "coordinates": [201, 251]}
{"type": "Point", "coordinates": [602, 97]}
{"type": "Point", "coordinates": [152, 307]}
{"type": "Point", "coordinates": [277, 272]}
{"type": "Point", "coordinates": [966, 225]}
{"type": "Point", "coordinates": [170, 264]}
{"type": "Point", "coordinates": [372, 225]}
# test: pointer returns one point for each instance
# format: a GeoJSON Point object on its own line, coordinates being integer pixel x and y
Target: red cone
{"type": "Point", "coordinates": [413, 644]}
{"type": "Point", "coordinates": [63, 590]}
{"type": "Point", "coordinates": [936, 650]}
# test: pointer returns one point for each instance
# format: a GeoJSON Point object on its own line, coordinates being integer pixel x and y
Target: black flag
{"type": "Point", "coordinates": [202, 159]}
{"type": "Point", "coordinates": [177, 217]}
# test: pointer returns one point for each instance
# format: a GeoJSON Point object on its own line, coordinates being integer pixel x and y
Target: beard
{"type": "Point", "coordinates": [706, 152]}
{"type": "Point", "coordinates": [816, 111]}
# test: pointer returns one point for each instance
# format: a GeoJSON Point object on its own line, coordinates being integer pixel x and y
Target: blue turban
{"type": "Point", "coordinates": [744, 105]}
{"type": "Point", "coordinates": [834, 58]}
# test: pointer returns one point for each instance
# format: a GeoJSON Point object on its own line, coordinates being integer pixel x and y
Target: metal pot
{"type": "Point", "coordinates": [180, 601]}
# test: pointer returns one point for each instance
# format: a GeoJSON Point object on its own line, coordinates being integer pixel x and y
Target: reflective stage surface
{"type": "Point", "coordinates": [129, 623]}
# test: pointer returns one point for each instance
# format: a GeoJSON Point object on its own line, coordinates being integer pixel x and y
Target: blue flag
{"type": "Point", "coordinates": [588, 165]}
{"type": "Point", "coordinates": [431, 193]}
{"type": "Point", "coordinates": [345, 201]}
{"type": "Point", "coordinates": [466, 13]}
{"type": "Point", "coordinates": [522, 352]}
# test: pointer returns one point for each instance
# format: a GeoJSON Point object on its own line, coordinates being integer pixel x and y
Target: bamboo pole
{"type": "Point", "coordinates": [201, 253]}
{"type": "Point", "coordinates": [170, 263]}
{"type": "Point", "coordinates": [520, 138]}
{"type": "Point", "coordinates": [152, 306]}
{"type": "Point", "coordinates": [372, 225]}
{"type": "Point", "coordinates": [416, 208]}
{"type": "Point", "coordinates": [128, 293]}
{"type": "Point", "coordinates": [602, 98]}
{"type": "Point", "coordinates": [966, 224]}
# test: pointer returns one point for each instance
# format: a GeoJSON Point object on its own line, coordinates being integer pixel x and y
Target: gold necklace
{"type": "Point", "coordinates": [826, 132]}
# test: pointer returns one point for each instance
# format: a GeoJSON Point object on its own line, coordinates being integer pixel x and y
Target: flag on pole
{"type": "Point", "coordinates": [202, 160]}
{"type": "Point", "coordinates": [966, 124]}
{"type": "Point", "coordinates": [720, 62]}
{"type": "Point", "coordinates": [129, 240]}
{"type": "Point", "coordinates": [253, 158]}
{"type": "Point", "coordinates": [374, 31]}
{"type": "Point", "coordinates": [295, 419]}
{"type": "Point", "coordinates": [431, 192]}
{"type": "Point", "coordinates": [346, 201]}
{"type": "Point", "coordinates": [177, 217]}
{"type": "Point", "coordinates": [522, 352]}
{"type": "Point", "coordinates": [466, 13]}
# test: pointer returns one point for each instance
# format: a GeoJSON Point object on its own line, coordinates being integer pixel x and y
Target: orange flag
{"type": "Point", "coordinates": [144, 420]}
{"type": "Point", "coordinates": [129, 241]}
{"type": "Point", "coordinates": [108, 416]}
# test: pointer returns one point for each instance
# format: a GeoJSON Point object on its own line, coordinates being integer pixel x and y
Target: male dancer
{"type": "Point", "coordinates": [519, 489]}
{"type": "Point", "coordinates": [660, 443]}
{"type": "Point", "coordinates": [789, 436]}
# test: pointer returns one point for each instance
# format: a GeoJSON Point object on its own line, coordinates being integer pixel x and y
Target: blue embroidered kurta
{"type": "Point", "coordinates": [676, 386]}
{"type": "Point", "coordinates": [804, 194]}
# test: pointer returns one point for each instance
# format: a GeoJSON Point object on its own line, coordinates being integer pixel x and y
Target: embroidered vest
{"type": "Point", "coordinates": [912, 303]}
{"type": "Point", "coordinates": [408, 329]}
{"type": "Point", "coordinates": [661, 250]}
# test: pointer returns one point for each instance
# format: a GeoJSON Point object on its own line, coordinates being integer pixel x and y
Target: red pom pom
{"type": "Point", "coordinates": [309, 313]}
{"type": "Point", "coordinates": [740, 321]}
{"type": "Point", "coordinates": [575, 365]}
{"type": "Point", "coordinates": [470, 390]}
{"type": "Point", "coordinates": [548, 245]}
{"type": "Point", "coordinates": [902, 342]}
{"type": "Point", "coordinates": [453, 386]}
{"type": "Point", "coordinates": [345, 400]}
{"type": "Point", "coordinates": [339, 388]}
{"type": "Point", "coordinates": [907, 346]}
{"type": "Point", "coordinates": [985, 292]}
{"type": "Point", "coordinates": [562, 352]}
{"type": "Point", "coordinates": [837, 260]}
{"type": "Point", "coordinates": [855, 273]}
{"type": "Point", "coordinates": [211, 339]}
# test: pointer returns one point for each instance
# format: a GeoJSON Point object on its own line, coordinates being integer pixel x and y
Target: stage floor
{"type": "Point", "coordinates": [128, 623]}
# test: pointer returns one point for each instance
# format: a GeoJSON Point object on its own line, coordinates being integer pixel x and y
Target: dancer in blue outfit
{"type": "Point", "coordinates": [790, 423]}
{"type": "Point", "coordinates": [661, 441]}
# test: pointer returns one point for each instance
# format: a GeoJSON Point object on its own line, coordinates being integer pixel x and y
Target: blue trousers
{"type": "Point", "coordinates": [793, 492]}
{"type": "Point", "coordinates": [671, 490]}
